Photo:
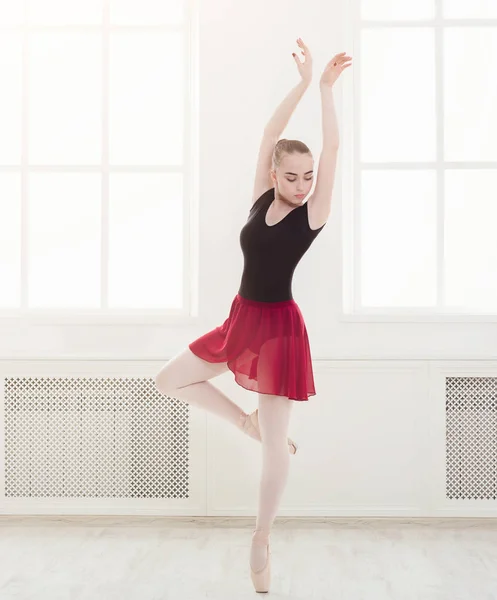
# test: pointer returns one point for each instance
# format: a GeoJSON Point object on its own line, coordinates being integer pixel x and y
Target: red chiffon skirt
{"type": "Point", "coordinates": [265, 345]}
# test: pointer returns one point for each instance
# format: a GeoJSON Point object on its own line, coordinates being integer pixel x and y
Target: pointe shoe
{"type": "Point", "coordinates": [262, 577]}
{"type": "Point", "coordinates": [250, 426]}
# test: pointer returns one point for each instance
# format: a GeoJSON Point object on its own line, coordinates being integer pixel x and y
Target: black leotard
{"type": "Point", "coordinates": [271, 252]}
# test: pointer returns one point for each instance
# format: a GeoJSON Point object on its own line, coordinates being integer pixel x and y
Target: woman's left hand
{"type": "Point", "coordinates": [334, 68]}
{"type": "Point", "coordinates": [305, 68]}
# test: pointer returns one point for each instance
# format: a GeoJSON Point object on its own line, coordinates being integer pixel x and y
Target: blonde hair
{"type": "Point", "coordinates": [285, 146]}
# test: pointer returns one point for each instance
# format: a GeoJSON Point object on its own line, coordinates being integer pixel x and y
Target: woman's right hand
{"type": "Point", "coordinates": [305, 68]}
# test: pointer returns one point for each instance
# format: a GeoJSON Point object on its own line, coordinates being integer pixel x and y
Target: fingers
{"type": "Point", "coordinates": [335, 59]}
{"type": "Point", "coordinates": [305, 49]}
{"type": "Point", "coordinates": [346, 62]}
{"type": "Point", "coordinates": [339, 57]}
{"type": "Point", "coordinates": [297, 59]}
{"type": "Point", "coordinates": [301, 43]}
{"type": "Point", "coordinates": [339, 60]}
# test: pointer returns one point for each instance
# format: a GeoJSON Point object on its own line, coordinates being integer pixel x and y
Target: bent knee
{"type": "Point", "coordinates": [164, 382]}
{"type": "Point", "coordinates": [185, 369]}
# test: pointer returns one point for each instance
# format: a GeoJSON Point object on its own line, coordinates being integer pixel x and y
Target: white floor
{"type": "Point", "coordinates": [147, 558]}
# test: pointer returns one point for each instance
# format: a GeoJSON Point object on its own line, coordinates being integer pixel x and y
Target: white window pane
{"type": "Point", "coordinates": [397, 95]}
{"type": "Point", "coordinates": [398, 238]}
{"type": "Point", "coordinates": [11, 12]}
{"type": "Point", "coordinates": [476, 9]}
{"type": "Point", "coordinates": [146, 12]}
{"type": "Point", "coordinates": [65, 98]}
{"type": "Point", "coordinates": [64, 240]}
{"type": "Point", "coordinates": [65, 12]}
{"type": "Point", "coordinates": [470, 93]}
{"type": "Point", "coordinates": [10, 98]}
{"type": "Point", "coordinates": [10, 240]}
{"type": "Point", "coordinates": [470, 247]}
{"type": "Point", "coordinates": [146, 241]}
{"type": "Point", "coordinates": [397, 9]}
{"type": "Point", "coordinates": [146, 98]}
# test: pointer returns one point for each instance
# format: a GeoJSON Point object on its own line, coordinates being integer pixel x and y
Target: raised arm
{"type": "Point", "coordinates": [276, 125]}
{"type": "Point", "coordinates": [320, 201]}
{"type": "Point", "coordinates": [284, 111]}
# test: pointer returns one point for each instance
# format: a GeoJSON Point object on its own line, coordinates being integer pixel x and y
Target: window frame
{"type": "Point", "coordinates": [352, 309]}
{"type": "Point", "coordinates": [188, 315]}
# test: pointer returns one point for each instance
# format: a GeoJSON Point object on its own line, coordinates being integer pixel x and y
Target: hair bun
{"type": "Point", "coordinates": [285, 146]}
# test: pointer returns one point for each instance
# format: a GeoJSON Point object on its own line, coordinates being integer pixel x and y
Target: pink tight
{"type": "Point", "coordinates": [185, 377]}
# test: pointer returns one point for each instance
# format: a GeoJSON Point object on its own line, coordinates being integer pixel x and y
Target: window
{"type": "Point", "coordinates": [424, 158]}
{"type": "Point", "coordinates": [94, 114]}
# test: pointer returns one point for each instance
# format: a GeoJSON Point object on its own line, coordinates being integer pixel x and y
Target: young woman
{"type": "Point", "coordinates": [264, 339]}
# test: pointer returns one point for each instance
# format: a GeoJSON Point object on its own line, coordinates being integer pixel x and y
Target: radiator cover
{"type": "Point", "coordinates": [471, 438]}
{"type": "Point", "coordinates": [91, 437]}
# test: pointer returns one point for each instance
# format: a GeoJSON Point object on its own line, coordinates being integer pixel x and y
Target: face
{"type": "Point", "coordinates": [294, 177]}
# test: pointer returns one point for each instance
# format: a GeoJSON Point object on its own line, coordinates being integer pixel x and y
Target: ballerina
{"type": "Point", "coordinates": [264, 340]}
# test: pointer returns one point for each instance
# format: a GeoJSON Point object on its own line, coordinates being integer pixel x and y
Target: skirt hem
{"type": "Point", "coordinates": [309, 394]}
{"type": "Point", "coordinates": [269, 393]}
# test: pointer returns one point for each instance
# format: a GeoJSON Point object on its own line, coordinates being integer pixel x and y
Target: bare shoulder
{"type": "Point", "coordinates": [317, 213]}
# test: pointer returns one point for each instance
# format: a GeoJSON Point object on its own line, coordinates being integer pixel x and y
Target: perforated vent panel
{"type": "Point", "coordinates": [471, 427]}
{"type": "Point", "coordinates": [94, 438]}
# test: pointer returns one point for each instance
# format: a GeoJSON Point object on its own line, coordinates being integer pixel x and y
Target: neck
{"type": "Point", "coordinates": [281, 199]}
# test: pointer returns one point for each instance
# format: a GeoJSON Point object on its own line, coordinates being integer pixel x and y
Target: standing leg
{"type": "Point", "coordinates": [274, 418]}
{"type": "Point", "coordinates": [185, 377]}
